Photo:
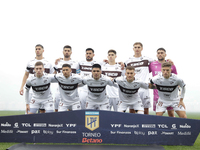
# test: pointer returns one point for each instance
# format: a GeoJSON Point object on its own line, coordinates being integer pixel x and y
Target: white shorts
{"type": "Point", "coordinates": [103, 106]}
{"type": "Point", "coordinates": [45, 104]}
{"type": "Point", "coordinates": [83, 95]}
{"type": "Point", "coordinates": [162, 105]}
{"type": "Point", "coordinates": [136, 105]}
{"type": "Point", "coordinates": [57, 99]}
{"type": "Point", "coordinates": [114, 102]}
{"type": "Point", "coordinates": [144, 95]}
{"type": "Point", "coordinates": [66, 107]}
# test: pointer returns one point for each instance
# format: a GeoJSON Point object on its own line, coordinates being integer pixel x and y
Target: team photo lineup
{"type": "Point", "coordinates": [106, 85]}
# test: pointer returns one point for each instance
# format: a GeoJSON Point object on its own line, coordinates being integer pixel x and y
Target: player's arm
{"type": "Point", "coordinates": [182, 85]}
{"type": "Point", "coordinates": [80, 81]}
{"type": "Point", "coordinates": [57, 60]}
{"type": "Point", "coordinates": [53, 78]}
{"type": "Point", "coordinates": [27, 97]}
{"type": "Point", "coordinates": [26, 75]}
{"type": "Point", "coordinates": [169, 60]}
{"type": "Point", "coordinates": [152, 85]}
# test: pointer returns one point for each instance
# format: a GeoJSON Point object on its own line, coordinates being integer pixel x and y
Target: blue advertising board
{"type": "Point", "coordinates": [92, 126]}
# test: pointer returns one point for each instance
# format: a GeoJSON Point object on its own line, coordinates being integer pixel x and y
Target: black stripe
{"type": "Point", "coordinates": [27, 86]}
{"type": "Point", "coordinates": [128, 91]}
{"type": "Point", "coordinates": [68, 87]}
{"type": "Point", "coordinates": [41, 88]}
{"type": "Point", "coordinates": [168, 89]}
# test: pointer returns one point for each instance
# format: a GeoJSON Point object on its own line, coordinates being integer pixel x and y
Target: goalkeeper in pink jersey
{"type": "Point", "coordinates": [155, 68]}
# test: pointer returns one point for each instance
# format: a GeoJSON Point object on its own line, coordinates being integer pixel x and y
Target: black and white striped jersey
{"type": "Point", "coordinates": [74, 66]}
{"type": "Point", "coordinates": [40, 87]}
{"type": "Point", "coordinates": [97, 88]}
{"type": "Point", "coordinates": [128, 92]}
{"type": "Point", "coordinates": [68, 87]}
{"type": "Point", "coordinates": [47, 66]}
{"type": "Point", "coordinates": [168, 88]}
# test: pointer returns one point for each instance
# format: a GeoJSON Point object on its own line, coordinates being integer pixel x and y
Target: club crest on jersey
{"type": "Point", "coordinates": [92, 120]}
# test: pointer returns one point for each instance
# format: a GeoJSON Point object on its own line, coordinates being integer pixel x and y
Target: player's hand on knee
{"type": "Point", "coordinates": [181, 103]}
{"type": "Point", "coordinates": [27, 108]}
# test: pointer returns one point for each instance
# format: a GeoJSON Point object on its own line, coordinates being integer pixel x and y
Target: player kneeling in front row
{"type": "Point", "coordinates": [68, 84]}
{"type": "Point", "coordinates": [167, 84]}
{"type": "Point", "coordinates": [96, 83]}
{"type": "Point", "coordinates": [40, 83]}
{"type": "Point", "coordinates": [128, 91]}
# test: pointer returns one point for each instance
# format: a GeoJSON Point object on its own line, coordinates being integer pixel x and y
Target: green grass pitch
{"type": "Point", "coordinates": [196, 146]}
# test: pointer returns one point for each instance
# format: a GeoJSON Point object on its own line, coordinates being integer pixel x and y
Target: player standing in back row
{"type": "Point", "coordinates": [155, 68]}
{"type": "Point", "coordinates": [141, 65]}
{"type": "Point", "coordinates": [112, 69]}
{"type": "Point", "coordinates": [67, 52]}
{"type": "Point", "coordinates": [86, 70]}
{"type": "Point", "coordinates": [48, 68]}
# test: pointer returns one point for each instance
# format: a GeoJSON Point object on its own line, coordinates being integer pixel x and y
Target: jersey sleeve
{"type": "Point", "coordinates": [52, 78]}
{"type": "Point", "coordinates": [56, 68]}
{"type": "Point", "coordinates": [79, 78]}
{"type": "Point", "coordinates": [150, 66]}
{"type": "Point", "coordinates": [150, 60]}
{"type": "Point", "coordinates": [27, 87]}
{"type": "Point", "coordinates": [181, 83]}
{"type": "Point", "coordinates": [28, 67]}
{"type": "Point", "coordinates": [51, 69]}
{"type": "Point", "coordinates": [144, 85]}
{"type": "Point", "coordinates": [153, 80]}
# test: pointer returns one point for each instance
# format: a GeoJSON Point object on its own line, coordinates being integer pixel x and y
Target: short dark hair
{"type": "Point", "coordinates": [96, 66]}
{"type": "Point", "coordinates": [130, 68]}
{"type": "Point", "coordinates": [89, 49]}
{"type": "Point", "coordinates": [66, 65]}
{"type": "Point", "coordinates": [39, 45]}
{"type": "Point", "coordinates": [138, 43]}
{"type": "Point", "coordinates": [39, 63]}
{"type": "Point", "coordinates": [112, 51]}
{"type": "Point", "coordinates": [167, 64]}
{"type": "Point", "coordinates": [161, 49]}
{"type": "Point", "coordinates": [67, 46]}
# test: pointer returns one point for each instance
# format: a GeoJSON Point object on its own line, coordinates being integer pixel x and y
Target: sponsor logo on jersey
{"type": "Point", "coordinates": [69, 87]}
{"type": "Point", "coordinates": [86, 68]}
{"type": "Point", "coordinates": [96, 89]}
{"type": "Point", "coordinates": [92, 120]}
{"type": "Point", "coordinates": [112, 74]}
{"type": "Point", "coordinates": [143, 63]}
{"type": "Point", "coordinates": [166, 88]}
{"type": "Point", "coordinates": [41, 88]}
{"type": "Point", "coordinates": [128, 91]}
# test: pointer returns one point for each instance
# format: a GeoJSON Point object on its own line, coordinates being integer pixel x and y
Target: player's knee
{"type": "Point", "coordinates": [171, 113]}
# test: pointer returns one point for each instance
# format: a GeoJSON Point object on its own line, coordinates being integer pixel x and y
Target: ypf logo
{"type": "Point", "coordinates": [92, 120]}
